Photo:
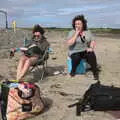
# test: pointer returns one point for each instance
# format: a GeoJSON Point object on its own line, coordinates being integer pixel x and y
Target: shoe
{"type": "Point", "coordinates": [72, 74]}
{"type": "Point", "coordinates": [96, 76]}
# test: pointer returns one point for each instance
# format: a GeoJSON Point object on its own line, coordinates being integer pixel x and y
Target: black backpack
{"type": "Point", "coordinates": [99, 98]}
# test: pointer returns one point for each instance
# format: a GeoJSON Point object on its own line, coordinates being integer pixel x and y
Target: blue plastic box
{"type": "Point", "coordinates": [81, 69]}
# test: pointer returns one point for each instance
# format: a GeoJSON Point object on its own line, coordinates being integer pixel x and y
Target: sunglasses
{"type": "Point", "coordinates": [36, 35]}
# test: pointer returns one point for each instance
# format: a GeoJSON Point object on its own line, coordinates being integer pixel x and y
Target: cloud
{"type": "Point", "coordinates": [61, 12]}
{"type": "Point", "coordinates": [68, 11]}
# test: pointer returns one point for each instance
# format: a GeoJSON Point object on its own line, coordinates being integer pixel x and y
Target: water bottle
{"type": "Point", "coordinates": [11, 54]}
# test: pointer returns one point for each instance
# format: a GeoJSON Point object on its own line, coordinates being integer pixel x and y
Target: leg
{"type": "Point", "coordinates": [21, 65]}
{"type": "Point", "coordinates": [91, 59]}
{"type": "Point", "coordinates": [24, 69]}
{"type": "Point", "coordinates": [28, 62]}
{"type": "Point", "coordinates": [76, 57]}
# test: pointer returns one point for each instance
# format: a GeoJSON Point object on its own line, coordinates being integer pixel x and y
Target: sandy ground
{"type": "Point", "coordinates": [61, 90]}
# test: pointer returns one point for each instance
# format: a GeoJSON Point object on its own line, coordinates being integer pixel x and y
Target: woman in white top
{"type": "Point", "coordinates": [81, 45]}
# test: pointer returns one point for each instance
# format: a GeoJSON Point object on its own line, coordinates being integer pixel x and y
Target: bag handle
{"type": "Point", "coordinates": [20, 93]}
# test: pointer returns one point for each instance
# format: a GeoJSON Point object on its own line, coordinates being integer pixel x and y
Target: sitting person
{"type": "Point", "coordinates": [81, 45]}
{"type": "Point", "coordinates": [32, 52]}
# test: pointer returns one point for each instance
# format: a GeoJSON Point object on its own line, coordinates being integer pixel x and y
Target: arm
{"type": "Point", "coordinates": [92, 46]}
{"type": "Point", "coordinates": [27, 44]}
{"type": "Point", "coordinates": [23, 49]}
{"type": "Point", "coordinates": [44, 45]}
{"type": "Point", "coordinates": [92, 42]}
{"type": "Point", "coordinates": [72, 38]}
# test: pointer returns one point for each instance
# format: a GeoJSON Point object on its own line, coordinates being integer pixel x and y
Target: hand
{"type": "Point", "coordinates": [89, 50]}
{"type": "Point", "coordinates": [77, 31]}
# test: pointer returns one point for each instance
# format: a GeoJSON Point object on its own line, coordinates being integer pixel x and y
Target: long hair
{"type": "Point", "coordinates": [38, 28]}
{"type": "Point", "coordinates": [81, 18]}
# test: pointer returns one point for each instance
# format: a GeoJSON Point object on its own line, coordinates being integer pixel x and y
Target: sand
{"type": "Point", "coordinates": [60, 90]}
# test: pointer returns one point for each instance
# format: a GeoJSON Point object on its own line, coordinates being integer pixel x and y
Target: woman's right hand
{"type": "Point", "coordinates": [77, 32]}
{"type": "Point", "coordinates": [72, 40]}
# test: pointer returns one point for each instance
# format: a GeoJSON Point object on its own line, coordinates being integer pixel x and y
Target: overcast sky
{"type": "Point", "coordinates": [59, 13]}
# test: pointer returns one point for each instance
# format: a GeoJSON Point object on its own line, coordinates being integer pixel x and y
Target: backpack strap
{"type": "Point", "coordinates": [83, 104]}
{"type": "Point", "coordinates": [4, 100]}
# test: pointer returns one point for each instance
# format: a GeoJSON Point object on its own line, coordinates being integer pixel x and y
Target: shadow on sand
{"type": "Point", "coordinates": [49, 72]}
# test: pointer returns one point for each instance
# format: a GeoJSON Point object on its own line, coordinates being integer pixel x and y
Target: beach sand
{"type": "Point", "coordinates": [60, 90]}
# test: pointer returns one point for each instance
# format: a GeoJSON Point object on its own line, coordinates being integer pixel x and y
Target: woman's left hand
{"type": "Point", "coordinates": [89, 50]}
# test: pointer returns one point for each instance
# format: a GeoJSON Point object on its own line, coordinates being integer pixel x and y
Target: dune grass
{"type": "Point", "coordinates": [105, 30]}
{"type": "Point", "coordinates": [96, 30]}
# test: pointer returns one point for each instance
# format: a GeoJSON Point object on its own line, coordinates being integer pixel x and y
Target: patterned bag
{"type": "Point", "coordinates": [20, 101]}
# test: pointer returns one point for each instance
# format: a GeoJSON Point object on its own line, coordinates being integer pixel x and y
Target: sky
{"type": "Point", "coordinates": [59, 13]}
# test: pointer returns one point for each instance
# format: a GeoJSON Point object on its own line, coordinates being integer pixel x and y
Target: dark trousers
{"type": "Point", "coordinates": [90, 58]}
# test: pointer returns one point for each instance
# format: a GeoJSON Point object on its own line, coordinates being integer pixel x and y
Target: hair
{"type": "Point", "coordinates": [38, 28]}
{"type": "Point", "coordinates": [81, 18]}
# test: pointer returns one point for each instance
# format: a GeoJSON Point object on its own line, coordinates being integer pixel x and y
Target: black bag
{"type": "Point", "coordinates": [99, 98]}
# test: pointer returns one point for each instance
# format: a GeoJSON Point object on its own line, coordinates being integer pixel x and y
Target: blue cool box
{"type": "Point", "coordinates": [81, 69]}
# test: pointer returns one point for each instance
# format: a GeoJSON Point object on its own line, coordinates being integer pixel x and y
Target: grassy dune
{"type": "Point", "coordinates": [96, 30]}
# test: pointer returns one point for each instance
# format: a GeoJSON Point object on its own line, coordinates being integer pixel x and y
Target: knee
{"type": "Point", "coordinates": [23, 58]}
{"type": "Point", "coordinates": [28, 62]}
{"type": "Point", "coordinates": [91, 54]}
